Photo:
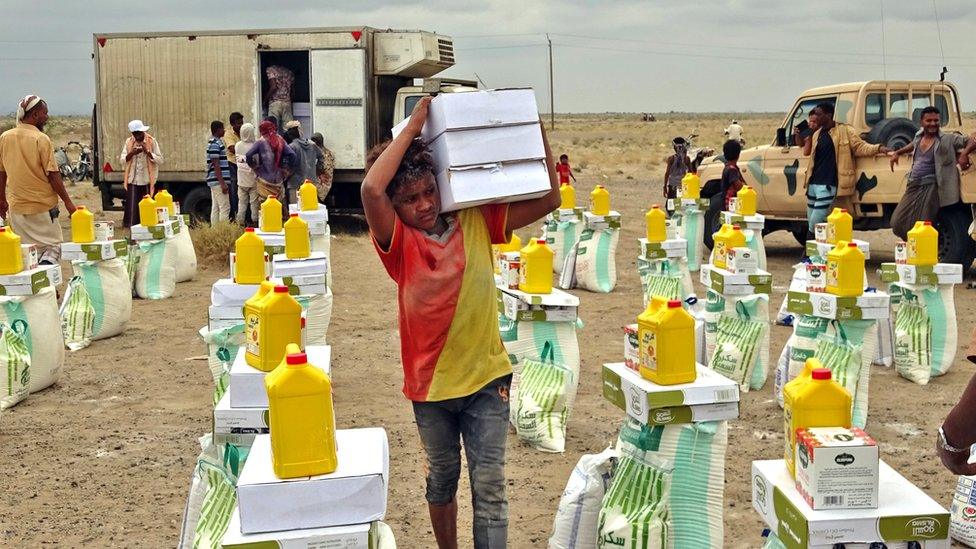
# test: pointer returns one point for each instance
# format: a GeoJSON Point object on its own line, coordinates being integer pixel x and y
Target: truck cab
{"type": "Point", "coordinates": [881, 111]}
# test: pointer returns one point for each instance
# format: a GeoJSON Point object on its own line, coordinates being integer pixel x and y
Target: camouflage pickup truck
{"type": "Point", "coordinates": [882, 111]}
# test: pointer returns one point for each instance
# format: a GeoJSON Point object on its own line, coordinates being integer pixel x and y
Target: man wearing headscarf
{"type": "Point", "coordinates": [141, 157]}
{"type": "Point", "coordinates": [247, 186]}
{"type": "Point", "coordinates": [30, 183]}
{"type": "Point", "coordinates": [309, 163]}
{"type": "Point", "coordinates": [328, 167]}
{"type": "Point", "coordinates": [272, 161]}
{"type": "Point", "coordinates": [678, 165]}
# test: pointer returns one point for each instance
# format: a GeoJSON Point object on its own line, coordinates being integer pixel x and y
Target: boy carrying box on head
{"type": "Point", "coordinates": [456, 370]}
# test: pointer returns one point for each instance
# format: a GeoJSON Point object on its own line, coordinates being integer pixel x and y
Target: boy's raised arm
{"type": "Point", "coordinates": [380, 214]}
{"type": "Point", "coordinates": [527, 212]}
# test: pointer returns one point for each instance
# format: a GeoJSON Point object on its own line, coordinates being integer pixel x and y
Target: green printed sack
{"type": "Point", "coordinates": [737, 346]}
{"type": "Point", "coordinates": [696, 454]}
{"type": "Point", "coordinates": [634, 513]}
{"type": "Point", "coordinates": [844, 359]}
{"type": "Point", "coordinates": [542, 403]}
{"type": "Point", "coordinates": [666, 277]}
{"type": "Point", "coordinates": [186, 256]}
{"type": "Point", "coordinates": [561, 236]}
{"type": "Point", "coordinates": [939, 308]}
{"type": "Point", "coordinates": [40, 316]}
{"type": "Point", "coordinates": [132, 260]}
{"type": "Point", "coordinates": [222, 347]}
{"type": "Point", "coordinates": [691, 227]}
{"type": "Point", "coordinates": [913, 344]}
{"type": "Point", "coordinates": [15, 364]}
{"type": "Point", "coordinates": [213, 494]}
{"type": "Point", "coordinates": [107, 285]}
{"type": "Point", "coordinates": [596, 257]}
{"type": "Point", "coordinates": [531, 338]}
{"type": "Point", "coordinates": [754, 241]}
{"type": "Point", "coordinates": [77, 315]}
{"type": "Point", "coordinates": [156, 271]}
{"type": "Point", "coordinates": [318, 316]}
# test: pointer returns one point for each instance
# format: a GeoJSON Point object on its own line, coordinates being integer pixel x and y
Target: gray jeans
{"type": "Point", "coordinates": [282, 111]}
{"type": "Point", "coordinates": [479, 420]}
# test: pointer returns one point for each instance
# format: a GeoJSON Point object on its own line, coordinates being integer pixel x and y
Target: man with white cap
{"type": "Point", "coordinates": [30, 183]}
{"type": "Point", "coordinates": [141, 158]}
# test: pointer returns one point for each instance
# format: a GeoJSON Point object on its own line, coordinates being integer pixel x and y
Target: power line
{"type": "Point", "coordinates": [884, 65]}
{"type": "Point", "coordinates": [499, 47]}
{"type": "Point", "coordinates": [938, 28]}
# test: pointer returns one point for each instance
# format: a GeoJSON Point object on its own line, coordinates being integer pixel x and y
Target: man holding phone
{"type": "Point", "coordinates": [141, 158]}
{"type": "Point", "coordinates": [30, 183]}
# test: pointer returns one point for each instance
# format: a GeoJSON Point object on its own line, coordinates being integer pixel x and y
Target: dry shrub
{"type": "Point", "coordinates": [214, 243]}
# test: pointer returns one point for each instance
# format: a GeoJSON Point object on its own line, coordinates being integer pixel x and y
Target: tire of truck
{"type": "Point", "coordinates": [893, 133]}
{"type": "Point", "coordinates": [800, 232]}
{"type": "Point", "coordinates": [955, 244]}
{"type": "Point", "coordinates": [712, 218]}
{"type": "Point", "coordinates": [197, 203]}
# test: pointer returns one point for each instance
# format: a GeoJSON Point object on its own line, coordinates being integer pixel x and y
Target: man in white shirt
{"type": "Point", "coordinates": [142, 158]}
{"type": "Point", "coordinates": [734, 132]}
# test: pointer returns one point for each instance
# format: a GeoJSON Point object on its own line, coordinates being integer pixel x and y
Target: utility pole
{"type": "Point", "coordinates": [552, 102]}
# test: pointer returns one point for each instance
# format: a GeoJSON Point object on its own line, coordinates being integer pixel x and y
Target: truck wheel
{"type": "Point", "coordinates": [893, 133]}
{"type": "Point", "coordinates": [712, 219]}
{"type": "Point", "coordinates": [197, 203]}
{"type": "Point", "coordinates": [955, 244]}
{"type": "Point", "coordinates": [800, 232]}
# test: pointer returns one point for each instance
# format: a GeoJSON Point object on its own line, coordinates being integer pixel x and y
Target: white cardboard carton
{"type": "Point", "coordinates": [163, 229]}
{"type": "Point", "coordinates": [558, 306]}
{"type": "Point", "coordinates": [238, 426]}
{"type": "Point", "coordinates": [631, 347]}
{"type": "Point", "coordinates": [489, 183]}
{"type": "Point", "coordinates": [247, 382]}
{"type": "Point", "coordinates": [272, 239]}
{"type": "Point", "coordinates": [356, 536]}
{"type": "Point", "coordinates": [221, 312]}
{"type": "Point", "coordinates": [28, 252]}
{"type": "Point", "coordinates": [868, 306]}
{"type": "Point", "coordinates": [104, 230]}
{"type": "Point", "coordinates": [566, 214]}
{"type": "Point", "coordinates": [837, 468]}
{"type": "Point", "coordinates": [821, 249]}
{"type": "Point", "coordinates": [670, 248]}
{"type": "Point", "coordinates": [455, 149]}
{"type": "Point", "coordinates": [742, 261]}
{"type": "Point", "coordinates": [751, 222]}
{"type": "Point", "coordinates": [215, 324]}
{"type": "Point", "coordinates": [481, 109]}
{"type": "Point", "coordinates": [640, 398]}
{"type": "Point", "coordinates": [320, 214]}
{"type": "Point", "coordinates": [94, 251]}
{"type": "Point", "coordinates": [30, 282]}
{"type": "Point", "coordinates": [600, 222]}
{"type": "Point", "coordinates": [904, 513]}
{"type": "Point", "coordinates": [314, 264]}
{"type": "Point", "coordinates": [354, 494]}
{"type": "Point", "coordinates": [226, 292]}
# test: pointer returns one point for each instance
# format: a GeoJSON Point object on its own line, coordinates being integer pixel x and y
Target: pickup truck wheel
{"type": "Point", "coordinates": [893, 133]}
{"type": "Point", "coordinates": [712, 218]}
{"type": "Point", "coordinates": [801, 233]}
{"type": "Point", "coordinates": [197, 204]}
{"type": "Point", "coordinates": [955, 244]}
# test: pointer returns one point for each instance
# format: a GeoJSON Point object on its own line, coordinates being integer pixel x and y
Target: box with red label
{"type": "Point", "coordinates": [837, 468]}
{"type": "Point", "coordinates": [631, 347]}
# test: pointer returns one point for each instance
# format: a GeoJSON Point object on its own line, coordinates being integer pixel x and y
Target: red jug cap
{"type": "Point", "coordinates": [281, 289]}
{"type": "Point", "coordinates": [821, 374]}
{"type": "Point", "coordinates": [249, 230]}
{"type": "Point", "coordinates": [674, 304]}
{"type": "Point", "coordinates": [297, 358]}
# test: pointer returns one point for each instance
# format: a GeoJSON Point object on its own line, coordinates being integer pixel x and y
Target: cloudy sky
{"type": "Point", "coordinates": [611, 55]}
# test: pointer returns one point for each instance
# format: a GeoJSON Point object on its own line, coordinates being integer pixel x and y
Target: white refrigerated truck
{"type": "Point", "coordinates": [351, 84]}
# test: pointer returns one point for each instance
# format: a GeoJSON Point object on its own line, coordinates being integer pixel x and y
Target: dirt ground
{"type": "Point", "coordinates": [104, 457]}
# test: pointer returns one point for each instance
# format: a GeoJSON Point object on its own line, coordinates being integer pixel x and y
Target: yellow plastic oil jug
{"type": "Point", "coordinates": [250, 304]}
{"type": "Point", "coordinates": [667, 344]}
{"type": "Point", "coordinates": [840, 226]}
{"type": "Point", "coordinates": [536, 274]}
{"type": "Point", "coordinates": [249, 264]}
{"type": "Point", "coordinates": [301, 418]}
{"type": "Point", "coordinates": [747, 200]}
{"type": "Point", "coordinates": [269, 324]}
{"type": "Point", "coordinates": [11, 258]}
{"type": "Point", "coordinates": [819, 402]}
{"type": "Point", "coordinates": [600, 201]}
{"type": "Point", "coordinates": [567, 195]}
{"type": "Point", "coordinates": [720, 250]}
{"type": "Point", "coordinates": [165, 200]}
{"type": "Point", "coordinates": [845, 270]}
{"type": "Point", "coordinates": [298, 244]}
{"type": "Point", "coordinates": [271, 215]}
{"type": "Point", "coordinates": [923, 244]}
{"type": "Point", "coordinates": [513, 245]}
{"type": "Point", "coordinates": [82, 226]}
{"type": "Point", "coordinates": [691, 186]}
{"type": "Point", "coordinates": [656, 219]}
{"type": "Point", "coordinates": [308, 196]}
{"type": "Point", "coordinates": [147, 212]}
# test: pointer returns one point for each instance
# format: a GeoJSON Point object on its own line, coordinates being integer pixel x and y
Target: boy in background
{"type": "Point", "coordinates": [732, 179]}
{"type": "Point", "coordinates": [456, 370]}
{"type": "Point", "coordinates": [564, 170]}
{"type": "Point", "coordinates": [218, 174]}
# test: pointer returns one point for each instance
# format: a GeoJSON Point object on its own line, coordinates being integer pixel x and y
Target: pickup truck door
{"type": "Point", "coordinates": [784, 170]}
{"type": "Point", "coordinates": [339, 104]}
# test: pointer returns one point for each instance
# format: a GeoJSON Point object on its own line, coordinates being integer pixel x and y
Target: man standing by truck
{"type": "Point", "coordinates": [933, 182]}
{"type": "Point", "coordinates": [29, 172]}
{"type": "Point", "coordinates": [309, 160]}
{"type": "Point", "coordinates": [141, 157]}
{"type": "Point", "coordinates": [831, 171]}
{"type": "Point", "coordinates": [230, 141]}
{"type": "Point", "coordinates": [280, 82]}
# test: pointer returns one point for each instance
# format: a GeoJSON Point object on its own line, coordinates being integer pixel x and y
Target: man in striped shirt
{"type": "Point", "coordinates": [218, 174]}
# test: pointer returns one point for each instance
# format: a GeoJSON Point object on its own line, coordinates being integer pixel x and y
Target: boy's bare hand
{"type": "Point", "coordinates": [418, 116]}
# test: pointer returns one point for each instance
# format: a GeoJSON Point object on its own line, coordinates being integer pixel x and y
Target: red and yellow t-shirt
{"type": "Point", "coordinates": [563, 170]}
{"type": "Point", "coordinates": [449, 340]}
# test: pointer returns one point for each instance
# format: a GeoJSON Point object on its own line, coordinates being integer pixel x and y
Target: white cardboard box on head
{"type": "Point", "coordinates": [474, 147]}
{"type": "Point", "coordinates": [314, 264]}
{"type": "Point", "coordinates": [247, 382]}
{"type": "Point", "coordinates": [480, 109]}
{"type": "Point", "coordinates": [225, 292]}
{"type": "Point", "coordinates": [355, 493]}
{"type": "Point", "coordinates": [904, 513]}
{"type": "Point", "coordinates": [490, 183]}
{"type": "Point", "coordinates": [356, 536]}
{"type": "Point", "coordinates": [837, 468]}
